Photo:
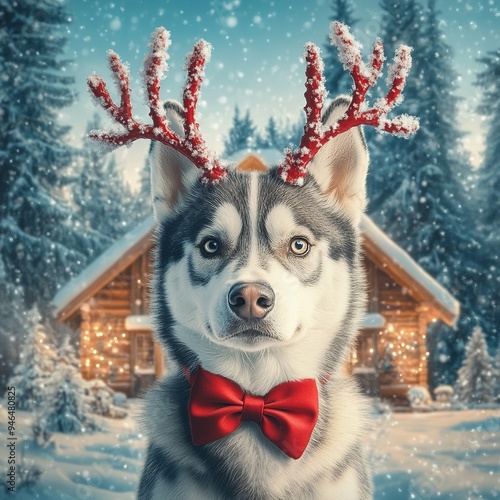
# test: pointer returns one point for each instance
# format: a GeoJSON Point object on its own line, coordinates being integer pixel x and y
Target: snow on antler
{"type": "Point", "coordinates": [192, 144]}
{"type": "Point", "coordinates": [293, 169]}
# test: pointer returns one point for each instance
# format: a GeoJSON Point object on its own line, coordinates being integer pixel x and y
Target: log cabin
{"type": "Point", "coordinates": [107, 307]}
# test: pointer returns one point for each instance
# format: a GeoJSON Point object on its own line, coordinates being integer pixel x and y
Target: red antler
{"type": "Point", "coordinates": [293, 169]}
{"type": "Point", "coordinates": [192, 144]}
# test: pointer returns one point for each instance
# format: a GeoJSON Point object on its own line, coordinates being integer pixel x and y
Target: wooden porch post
{"type": "Point", "coordinates": [423, 321]}
{"type": "Point", "coordinates": [159, 361]}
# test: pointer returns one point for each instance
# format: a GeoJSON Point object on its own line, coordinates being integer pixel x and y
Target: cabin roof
{"type": "Point", "coordinates": [378, 247]}
{"type": "Point", "coordinates": [398, 264]}
{"type": "Point", "coordinates": [115, 259]}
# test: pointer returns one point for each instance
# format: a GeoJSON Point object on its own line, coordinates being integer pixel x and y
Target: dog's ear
{"type": "Point", "coordinates": [172, 174]}
{"type": "Point", "coordinates": [341, 165]}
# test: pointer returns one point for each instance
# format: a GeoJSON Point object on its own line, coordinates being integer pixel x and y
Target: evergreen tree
{"type": "Point", "coordinates": [64, 409]}
{"type": "Point", "coordinates": [39, 245]}
{"type": "Point", "coordinates": [143, 205]}
{"type": "Point", "coordinates": [14, 325]}
{"type": "Point", "coordinates": [91, 183]}
{"type": "Point", "coordinates": [476, 378]}
{"type": "Point", "coordinates": [273, 138]}
{"type": "Point", "coordinates": [32, 377]}
{"type": "Point", "coordinates": [487, 198]}
{"type": "Point", "coordinates": [417, 194]}
{"type": "Point", "coordinates": [489, 173]}
{"type": "Point", "coordinates": [66, 354]}
{"type": "Point", "coordinates": [391, 157]}
{"type": "Point", "coordinates": [292, 133]}
{"type": "Point", "coordinates": [337, 80]}
{"type": "Point", "coordinates": [242, 134]}
{"type": "Point", "coordinates": [118, 203]}
{"type": "Point", "coordinates": [103, 199]}
{"type": "Point", "coordinates": [280, 136]}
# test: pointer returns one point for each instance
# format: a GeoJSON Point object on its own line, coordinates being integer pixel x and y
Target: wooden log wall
{"type": "Point", "coordinates": [106, 346]}
{"type": "Point", "coordinates": [404, 336]}
{"type": "Point", "coordinates": [105, 343]}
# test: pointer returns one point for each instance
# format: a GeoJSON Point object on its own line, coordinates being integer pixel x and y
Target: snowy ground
{"type": "Point", "coordinates": [100, 466]}
{"type": "Point", "coordinates": [438, 455]}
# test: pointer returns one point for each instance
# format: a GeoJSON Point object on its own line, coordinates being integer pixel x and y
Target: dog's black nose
{"type": "Point", "coordinates": [251, 300]}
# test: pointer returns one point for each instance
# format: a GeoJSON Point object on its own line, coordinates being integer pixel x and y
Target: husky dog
{"type": "Point", "coordinates": [260, 282]}
{"type": "Point", "coordinates": [258, 290]}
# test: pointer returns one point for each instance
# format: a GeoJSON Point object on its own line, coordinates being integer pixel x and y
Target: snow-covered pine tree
{"type": "Point", "coordinates": [476, 378]}
{"type": "Point", "coordinates": [487, 198]}
{"type": "Point", "coordinates": [66, 354]}
{"type": "Point", "coordinates": [103, 198]}
{"type": "Point", "coordinates": [118, 203]}
{"type": "Point", "coordinates": [337, 80]}
{"type": "Point", "coordinates": [91, 184]}
{"type": "Point", "coordinates": [39, 245]}
{"type": "Point", "coordinates": [416, 190]}
{"type": "Point", "coordinates": [242, 133]}
{"type": "Point", "coordinates": [389, 155]}
{"type": "Point", "coordinates": [273, 138]}
{"type": "Point", "coordinates": [32, 376]}
{"type": "Point", "coordinates": [292, 132]}
{"type": "Point", "coordinates": [488, 81]}
{"type": "Point", "coordinates": [14, 325]}
{"type": "Point", "coordinates": [279, 136]}
{"type": "Point", "coordinates": [64, 409]}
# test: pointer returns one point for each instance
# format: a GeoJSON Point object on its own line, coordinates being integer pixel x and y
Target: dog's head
{"type": "Point", "coordinates": [262, 269]}
{"type": "Point", "coordinates": [255, 265]}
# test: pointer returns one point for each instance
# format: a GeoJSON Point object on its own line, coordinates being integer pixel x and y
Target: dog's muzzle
{"type": "Point", "coordinates": [251, 301]}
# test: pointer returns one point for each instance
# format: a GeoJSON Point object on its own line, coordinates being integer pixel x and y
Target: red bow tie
{"type": "Point", "coordinates": [286, 415]}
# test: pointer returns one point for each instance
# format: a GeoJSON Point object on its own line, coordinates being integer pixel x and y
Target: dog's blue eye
{"type": "Point", "coordinates": [299, 246]}
{"type": "Point", "coordinates": [210, 247]}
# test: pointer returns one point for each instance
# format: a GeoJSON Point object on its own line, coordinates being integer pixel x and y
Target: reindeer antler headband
{"type": "Point", "coordinates": [293, 169]}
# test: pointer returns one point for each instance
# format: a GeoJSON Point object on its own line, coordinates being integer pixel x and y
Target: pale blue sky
{"type": "Point", "coordinates": [256, 60]}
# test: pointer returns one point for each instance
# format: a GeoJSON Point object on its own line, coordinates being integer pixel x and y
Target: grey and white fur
{"type": "Point", "coordinates": [302, 245]}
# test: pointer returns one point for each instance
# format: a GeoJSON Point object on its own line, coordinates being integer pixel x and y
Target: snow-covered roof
{"type": "Point", "coordinates": [117, 257]}
{"type": "Point", "coordinates": [377, 246]}
{"type": "Point", "coordinates": [418, 281]}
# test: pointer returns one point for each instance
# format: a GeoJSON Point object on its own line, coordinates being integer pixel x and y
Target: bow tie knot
{"type": "Point", "coordinates": [253, 408]}
{"type": "Point", "coordinates": [286, 415]}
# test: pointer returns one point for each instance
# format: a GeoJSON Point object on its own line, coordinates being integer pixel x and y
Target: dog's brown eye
{"type": "Point", "coordinates": [299, 246]}
{"type": "Point", "coordinates": [210, 247]}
